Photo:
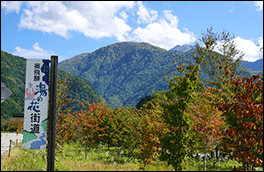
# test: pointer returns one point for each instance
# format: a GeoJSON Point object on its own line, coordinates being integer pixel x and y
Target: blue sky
{"type": "Point", "coordinates": [40, 29]}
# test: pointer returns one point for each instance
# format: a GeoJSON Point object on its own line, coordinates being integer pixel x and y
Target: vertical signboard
{"type": "Point", "coordinates": [36, 104]}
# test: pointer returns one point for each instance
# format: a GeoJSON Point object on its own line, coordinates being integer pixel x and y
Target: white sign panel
{"type": "Point", "coordinates": [36, 104]}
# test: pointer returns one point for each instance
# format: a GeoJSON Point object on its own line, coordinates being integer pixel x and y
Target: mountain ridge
{"type": "Point", "coordinates": [182, 48]}
{"type": "Point", "coordinates": [254, 66]}
{"type": "Point", "coordinates": [124, 72]}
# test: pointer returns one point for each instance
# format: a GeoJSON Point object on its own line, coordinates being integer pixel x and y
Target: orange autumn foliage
{"type": "Point", "coordinates": [89, 124]}
{"type": "Point", "coordinates": [245, 116]}
{"type": "Point", "coordinates": [206, 120]}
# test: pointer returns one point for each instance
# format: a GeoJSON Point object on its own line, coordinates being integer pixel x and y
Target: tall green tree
{"type": "Point", "coordinates": [217, 65]}
{"type": "Point", "coordinates": [175, 102]}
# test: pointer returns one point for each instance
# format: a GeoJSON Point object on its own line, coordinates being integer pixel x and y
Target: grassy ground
{"type": "Point", "coordinates": [70, 160]}
{"type": "Point", "coordinates": [74, 160]}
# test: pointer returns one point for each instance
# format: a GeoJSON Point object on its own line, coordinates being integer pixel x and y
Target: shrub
{"type": "Point", "coordinates": [3, 124]}
{"type": "Point", "coordinates": [13, 124]}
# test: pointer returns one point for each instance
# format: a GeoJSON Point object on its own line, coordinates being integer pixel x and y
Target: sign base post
{"type": "Point", "coordinates": [52, 113]}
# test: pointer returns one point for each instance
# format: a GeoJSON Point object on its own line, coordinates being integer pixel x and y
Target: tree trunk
{"type": "Point", "coordinates": [215, 156]}
{"type": "Point", "coordinates": [216, 153]}
{"type": "Point", "coordinates": [86, 151]}
{"type": "Point", "coordinates": [205, 154]}
{"type": "Point", "coordinates": [205, 159]}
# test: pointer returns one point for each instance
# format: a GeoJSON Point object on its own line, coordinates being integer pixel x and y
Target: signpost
{"type": "Point", "coordinates": [52, 112]}
{"type": "Point", "coordinates": [39, 88]}
{"type": "Point", "coordinates": [36, 104]}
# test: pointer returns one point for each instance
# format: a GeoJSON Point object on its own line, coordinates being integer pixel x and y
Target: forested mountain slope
{"type": "Point", "coordinates": [126, 71]}
{"type": "Point", "coordinates": [13, 70]}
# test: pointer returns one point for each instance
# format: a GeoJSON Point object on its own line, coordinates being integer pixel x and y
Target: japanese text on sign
{"type": "Point", "coordinates": [36, 104]}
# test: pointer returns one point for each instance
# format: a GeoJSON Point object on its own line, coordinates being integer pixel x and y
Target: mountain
{"type": "Point", "coordinates": [125, 72]}
{"type": "Point", "coordinates": [82, 90]}
{"type": "Point", "coordinates": [254, 66]}
{"type": "Point", "coordinates": [121, 72]}
{"type": "Point", "coordinates": [182, 48]}
{"type": "Point", "coordinates": [13, 70]}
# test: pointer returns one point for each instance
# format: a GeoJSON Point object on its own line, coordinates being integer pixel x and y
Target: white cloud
{"type": "Point", "coordinates": [37, 53]}
{"type": "Point", "coordinates": [11, 6]}
{"type": "Point", "coordinates": [97, 19]}
{"type": "Point", "coordinates": [173, 19]}
{"type": "Point", "coordinates": [93, 19]}
{"type": "Point", "coordinates": [37, 48]}
{"type": "Point", "coordinates": [144, 15]}
{"type": "Point", "coordinates": [252, 51]}
{"type": "Point", "coordinates": [259, 5]}
{"type": "Point", "coordinates": [124, 15]}
{"type": "Point", "coordinates": [163, 33]}
{"type": "Point", "coordinates": [122, 32]}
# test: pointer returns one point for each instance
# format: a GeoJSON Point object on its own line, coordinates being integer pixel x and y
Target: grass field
{"type": "Point", "coordinates": [73, 159]}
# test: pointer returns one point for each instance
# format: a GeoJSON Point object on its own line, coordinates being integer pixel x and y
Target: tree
{"type": "Point", "coordinates": [244, 114]}
{"type": "Point", "coordinates": [65, 130]}
{"type": "Point", "coordinates": [206, 121]}
{"type": "Point", "coordinates": [88, 124]}
{"type": "Point", "coordinates": [150, 130]}
{"type": "Point", "coordinates": [217, 65]}
{"type": "Point", "coordinates": [120, 131]}
{"type": "Point", "coordinates": [175, 103]}
{"type": "Point", "coordinates": [221, 69]}
{"type": "Point", "coordinates": [143, 101]}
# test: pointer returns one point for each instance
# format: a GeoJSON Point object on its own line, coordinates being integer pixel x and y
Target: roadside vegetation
{"type": "Point", "coordinates": [196, 125]}
{"type": "Point", "coordinates": [11, 125]}
{"type": "Point", "coordinates": [72, 159]}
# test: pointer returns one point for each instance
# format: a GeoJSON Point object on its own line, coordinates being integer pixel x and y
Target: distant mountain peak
{"type": "Point", "coordinates": [254, 66]}
{"type": "Point", "coordinates": [182, 48]}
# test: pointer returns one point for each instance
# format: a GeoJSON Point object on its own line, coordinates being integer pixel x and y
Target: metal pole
{"type": "Point", "coordinates": [17, 138]}
{"type": "Point", "coordinates": [52, 113]}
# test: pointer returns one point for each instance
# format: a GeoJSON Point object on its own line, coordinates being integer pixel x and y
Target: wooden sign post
{"type": "Point", "coordinates": [52, 113]}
